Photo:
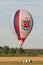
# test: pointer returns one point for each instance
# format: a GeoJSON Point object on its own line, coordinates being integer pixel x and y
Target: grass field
{"type": "Point", "coordinates": [20, 63]}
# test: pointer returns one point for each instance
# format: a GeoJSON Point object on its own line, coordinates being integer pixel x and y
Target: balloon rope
{"type": "Point", "coordinates": [21, 45]}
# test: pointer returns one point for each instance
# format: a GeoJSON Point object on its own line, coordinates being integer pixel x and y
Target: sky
{"type": "Point", "coordinates": [7, 8]}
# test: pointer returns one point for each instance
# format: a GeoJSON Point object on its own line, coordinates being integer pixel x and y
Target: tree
{"type": "Point", "coordinates": [1, 49]}
{"type": "Point", "coordinates": [5, 49]}
{"type": "Point", "coordinates": [12, 50]}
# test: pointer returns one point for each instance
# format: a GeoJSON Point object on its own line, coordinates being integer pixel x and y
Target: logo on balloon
{"type": "Point", "coordinates": [25, 24]}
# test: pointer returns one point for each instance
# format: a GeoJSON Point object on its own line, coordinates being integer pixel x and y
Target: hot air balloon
{"type": "Point", "coordinates": [21, 24]}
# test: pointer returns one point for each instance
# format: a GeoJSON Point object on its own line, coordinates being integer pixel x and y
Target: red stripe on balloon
{"type": "Point", "coordinates": [22, 39]}
{"type": "Point", "coordinates": [17, 23]}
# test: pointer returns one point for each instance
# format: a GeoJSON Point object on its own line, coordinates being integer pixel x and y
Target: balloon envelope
{"type": "Point", "coordinates": [21, 24]}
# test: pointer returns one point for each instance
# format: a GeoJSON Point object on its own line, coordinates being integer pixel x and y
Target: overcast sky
{"type": "Point", "coordinates": [35, 7]}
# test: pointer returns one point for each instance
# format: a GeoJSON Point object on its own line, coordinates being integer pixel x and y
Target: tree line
{"type": "Point", "coordinates": [6, 51]}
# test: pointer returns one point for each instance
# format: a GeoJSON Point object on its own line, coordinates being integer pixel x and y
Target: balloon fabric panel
{"type": "Point", "coordinates": [16, 23]}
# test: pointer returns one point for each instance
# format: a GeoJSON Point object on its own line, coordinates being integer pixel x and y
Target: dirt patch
{"type": "Point", "coordinates": [6, 59]}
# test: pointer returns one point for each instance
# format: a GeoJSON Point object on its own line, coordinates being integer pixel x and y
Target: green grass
{"type": "Point", "coordinates": [20, 63]}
